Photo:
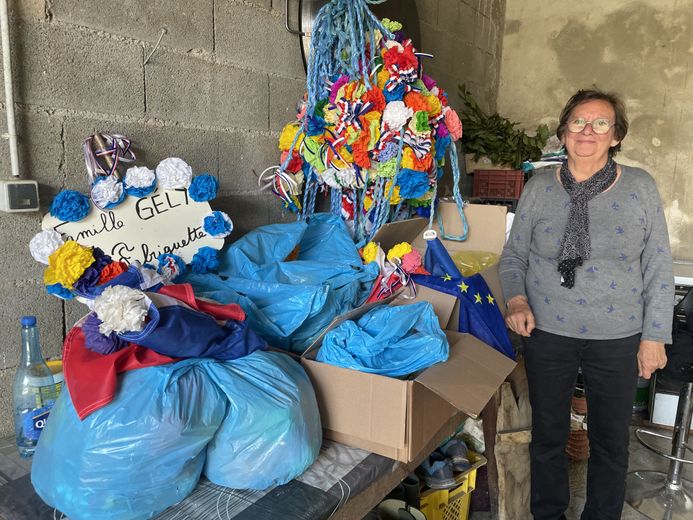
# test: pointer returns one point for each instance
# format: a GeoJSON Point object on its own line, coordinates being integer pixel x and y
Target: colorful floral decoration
{"type": "Point", "coordinates": [174, 173]}
{"type": "Point", "coordinates": [217, 224]}
{"type": "Point", "coordinates": [372, 130]}
{"type": "Point", "coordinates": [70, 206]}
{"type": "Point", "coordinates": [205, 260]}
{"type": "Point", "coordinates": [170, 266]}
{"type": "Point", "coordinates": [107, 192]}
{"type": "Point", "coordinates": [121, 309]}
{"type": "Point", "coordinates": [68, 264]}
{"type": "Point", "coordinates": [203, 188]}
{"type": "Point", "coordinates": [140, 181]}
{"type": "Point", "coordinates": [44, 244]}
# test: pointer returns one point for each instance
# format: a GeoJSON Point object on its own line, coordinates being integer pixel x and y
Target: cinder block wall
{"type": "Point", "coordinates": [216, 92]}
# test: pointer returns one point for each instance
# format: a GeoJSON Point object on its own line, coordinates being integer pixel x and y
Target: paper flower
{"type": "Point", "coordinates": [61, 292]}
{"type": "Point", "coordinates": [44, 244]}
{"type": "Point", "coordinates": [453, 123]}
{"type": "Point", "coordinates": [95, 341]}
{"type": "Point", "coordinates": [111, 270]}
{"type": "Point", "coordinates": [287, 136]}
{"type": "Point", "coordinates": [396, 115]}
{"type": "Point", "coordinates": [70, 206]}
{"type": "Point", "coordinates": [107, 192]}
{"type": "Point", "coordinates": [387, 169]}
{"type": "Point", "coordinates": [140, 181]}
{"type": "Point", "coordinates": [203, 188]}
{"type": "Point", "coordinates": [170, 266]}
{"type": "Point", "coordinates": [174, 173]}
{"type": "Point", "coordinates": [369, 252]}
{"type": "Point", "coordinates": [89, 279]}
{"type": "Point", "coordinates": [121, 309]}
{"type": "Point", "coordinates": [67, 264]}
{"type": "Point", "coordinates": [217, 224]}
{"type": "Point", "coordinates": [399, 250]}
{"type": "Point", "coordinates": [205, 260]}
{"type": "Point", "coordinates": [411, 261]}
{"type": "Point", "coordinates": [412, 183]}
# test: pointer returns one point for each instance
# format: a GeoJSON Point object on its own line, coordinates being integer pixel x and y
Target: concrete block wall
{"type": "Point", "coordinates": [216, 92]}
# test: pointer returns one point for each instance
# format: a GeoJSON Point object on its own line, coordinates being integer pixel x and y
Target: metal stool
{"type": "Point", "coordinates": [667, 496]}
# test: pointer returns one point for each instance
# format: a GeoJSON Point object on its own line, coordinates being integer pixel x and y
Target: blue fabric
{"type": "Point", "coordinates": [176, 330]}
{"type": "Point", "coordinates": [288, 303]}
{"type": "Point", "coordinates": [272, 432]}
{"type": "Point", "coordinates": [479, 313]}
{"type": "Point", "coordinates": [136, 456]}
{"type": "Point", "coordinates": [391, 341]}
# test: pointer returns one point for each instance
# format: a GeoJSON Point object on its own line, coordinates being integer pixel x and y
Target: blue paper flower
{"type": "Point", "coordinates": [423, 211]}
{"type": "Point", "coordinates": [171, 266]}
{"type": "Point", "coordinates": [203, 188]}
{"type": "Point", "coordinates": [217, 224]}
{"type": "Point", "coordinates": [205, 260]}
{"type": "Point", "coordinates": [412, 183]}
{"type": "Point", "coordinates": [316, 125]}
{"type": "Point", "coordinates": [140, 192]}
{"type": "Point", "coordinates": [442, 144]}
{"type": "Point", "coordinates": [389, 151]}
{"type": "Point", "coordinates": [70, 206]}
{"type": "Point", "coordinates": [89, 279]}
{"type": "Point", "coordinates": [61, 292]}
{"type": "Point", "coordinates": [397, 93]}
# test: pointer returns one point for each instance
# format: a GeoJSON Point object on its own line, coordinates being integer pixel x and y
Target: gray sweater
{"type": "Point", "coordinates": [625, 288]}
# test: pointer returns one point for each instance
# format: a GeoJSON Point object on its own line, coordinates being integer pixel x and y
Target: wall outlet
{"type": "Point", "coordinates": [18, 195]}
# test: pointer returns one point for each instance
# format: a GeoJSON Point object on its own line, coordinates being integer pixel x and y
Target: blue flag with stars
{"type": "Point", "coordinates": [479, 313]}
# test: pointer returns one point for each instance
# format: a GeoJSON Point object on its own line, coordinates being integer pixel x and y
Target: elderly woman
{"type": "Point", "coordinates": [587, 276]}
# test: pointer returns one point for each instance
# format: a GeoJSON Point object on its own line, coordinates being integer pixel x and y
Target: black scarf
{"type": "Point", "coordinates": [575, 246]}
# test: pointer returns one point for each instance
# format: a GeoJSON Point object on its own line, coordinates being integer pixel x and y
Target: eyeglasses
{"type": "Point", "coordinates": [599, 126]}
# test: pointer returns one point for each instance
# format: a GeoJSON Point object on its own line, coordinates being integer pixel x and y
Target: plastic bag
{"type": "Point", "coordinates": [272, 431]}
{"type": "Point", "coordinates": [472, 262]}
{"type": "Point", "coordinates": [289, 303]}
{"type": "Point", "coordinates": [136, 456]}
{"type": "Point", "coordinates": [390, 341]}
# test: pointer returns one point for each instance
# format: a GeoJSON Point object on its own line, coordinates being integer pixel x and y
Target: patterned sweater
{"type": "Point", "coordinates": [626, 287]}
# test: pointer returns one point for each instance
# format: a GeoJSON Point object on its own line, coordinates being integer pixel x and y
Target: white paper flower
{"type": "Point", "coordinates": [396, 114]}
{"type": "Point", "coordinates": [393, 43]}
{"type": "Point", "coordinates": [107, 191]}
{"type": "Point", "coordinates": [44, 244]}
{"type": "Point", "coordinates": [174, 173]}
{"type": "Point", "coordinates": [329, 177]}
{"type": "Point", "coordinates": [139, 177]}
{"type": "Point", "coordinates": [348, 178]}
{"type": "Point", "coordinates": [121, 309]}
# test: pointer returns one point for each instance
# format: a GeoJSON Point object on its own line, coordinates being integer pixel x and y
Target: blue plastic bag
{"type": "Point", "coordinates": [289, 303]}
{"type": "Point", "coordinates": [272, 432]}
{"type": "Point", "coordinates": [390, 341]}
{"type": "Point", "coordinates": [136, 456]}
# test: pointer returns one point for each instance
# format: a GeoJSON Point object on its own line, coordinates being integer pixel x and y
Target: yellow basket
{"type": "Point", "coordinates": [453, 504]}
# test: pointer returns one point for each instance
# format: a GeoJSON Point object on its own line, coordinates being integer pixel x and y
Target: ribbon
{"type": "Point", "coordinates": [111, 150]}
{"type": "Point", "coordinates": [351, 111]}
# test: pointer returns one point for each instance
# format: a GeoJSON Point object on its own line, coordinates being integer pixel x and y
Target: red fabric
{"type": "Point", "coordinates": [92, 378]}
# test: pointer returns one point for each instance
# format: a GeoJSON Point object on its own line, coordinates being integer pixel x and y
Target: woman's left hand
{"type": "Point", "coordinates": [651, 356]}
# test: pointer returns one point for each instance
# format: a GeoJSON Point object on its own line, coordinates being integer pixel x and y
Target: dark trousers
{"type": "Point", "coordinates": [610, 373]}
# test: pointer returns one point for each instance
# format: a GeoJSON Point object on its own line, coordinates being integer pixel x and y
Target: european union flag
{"type": "Point", "coordinates": [479, 313]}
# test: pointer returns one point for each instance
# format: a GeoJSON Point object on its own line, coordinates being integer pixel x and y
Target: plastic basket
{"type": "Point", "coordinates": [453, 504]}
{"type": "Point", "coordinates": [498, 184]}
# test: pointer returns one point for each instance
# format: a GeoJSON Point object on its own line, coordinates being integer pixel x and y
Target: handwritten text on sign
{"type": "Point", "coordinates": [167, 221]}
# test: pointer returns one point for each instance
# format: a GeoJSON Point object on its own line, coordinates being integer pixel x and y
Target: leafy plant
{"type": "Point", "coordinates": [496, 137]}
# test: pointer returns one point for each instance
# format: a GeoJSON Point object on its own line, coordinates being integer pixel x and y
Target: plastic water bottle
{"type": "Point", "coordinates": [33, 392]}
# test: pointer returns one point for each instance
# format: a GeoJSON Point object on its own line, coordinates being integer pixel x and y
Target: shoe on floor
{"type": "Point", "coordinates": [456, 451]}
{"type": "Point", "coordinates": [437, 471]}
{"type": "Point", "coordinates": [392, 509]}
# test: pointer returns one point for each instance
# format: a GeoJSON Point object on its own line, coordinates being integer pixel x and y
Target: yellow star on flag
{"type": "Point", "coordinates": [463, 287]}
{"type": "Point", "coordinates": [490, 298]}
{"type": "Point", "coordinates": [446, 278]}
{"type": "Point", "coordinates": [477, 298]}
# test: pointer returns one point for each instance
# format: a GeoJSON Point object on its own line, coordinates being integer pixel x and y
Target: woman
{"type": "Point", "coordinates": [587, 276]}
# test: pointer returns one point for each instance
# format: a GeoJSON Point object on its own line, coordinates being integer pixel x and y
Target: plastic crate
{"type": "Point", "coordinates": [453, 504]}
{"type": "Point", "coordinates": [498, 184]}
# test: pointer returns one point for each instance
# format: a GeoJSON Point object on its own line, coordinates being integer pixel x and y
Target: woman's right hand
{"type": "Point", "coordinates": [519, 317]}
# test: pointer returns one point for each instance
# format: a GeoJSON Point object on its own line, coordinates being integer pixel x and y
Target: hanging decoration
{"type": "Point", "coordinates": [372, 130]}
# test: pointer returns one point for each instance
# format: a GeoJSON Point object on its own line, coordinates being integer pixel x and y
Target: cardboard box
{"type": "Point", "coordinates": [396, 418]}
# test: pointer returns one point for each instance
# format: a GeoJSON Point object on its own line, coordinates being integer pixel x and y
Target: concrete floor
{"type": "Point", "coordinates": [640, 458]}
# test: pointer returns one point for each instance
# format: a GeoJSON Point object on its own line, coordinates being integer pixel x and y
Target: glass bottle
{"type": "Point", "coordinates": [33, 392]}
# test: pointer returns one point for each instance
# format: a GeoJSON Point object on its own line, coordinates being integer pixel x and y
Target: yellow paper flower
{"type": "Point", "coordinates": [434, 106]}
{"type": "Point", "coordinates": [408, 158]}
{"type": "Point", "coordinates": [67, 264]}
{"type": "Point", "coordinates": [399, 250]}
{"type": "Point", "coordinates": [369, 252]}
{"type": "Point", "coordinates": [373, 117]}
{"type": "Point", "coordinates": [395, 198]}
{"type": "Point", "coordinates": [383, 76]}
{"type": "Point", "coordinates": [391, 25]}
{"type": "Point", "coordinates": [367, 202]}
{"type": "Point", "coordinates": [287, 136]}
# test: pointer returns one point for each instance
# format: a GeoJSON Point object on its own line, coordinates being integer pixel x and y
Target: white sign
{"type": "Point", "coordinates": [166, 221]}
